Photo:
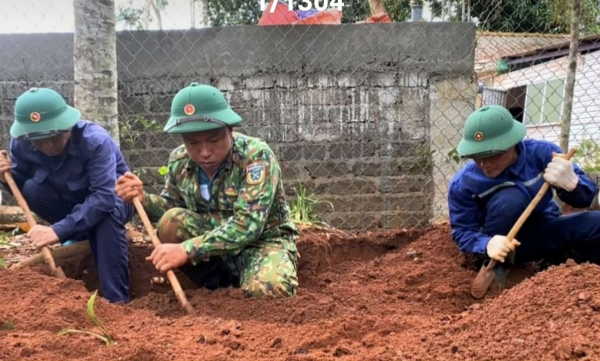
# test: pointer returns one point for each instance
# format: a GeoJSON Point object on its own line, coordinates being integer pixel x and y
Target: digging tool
{"type": "Point", "coordinates": [56, 271]}
{"type": "Point", "coordinates": [170, 274]}
{"type": "Point", "coordinates": [486, 274]}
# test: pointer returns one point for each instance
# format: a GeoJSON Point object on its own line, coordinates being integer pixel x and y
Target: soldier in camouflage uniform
{"type": "Point", "coordinates": [223, 208]}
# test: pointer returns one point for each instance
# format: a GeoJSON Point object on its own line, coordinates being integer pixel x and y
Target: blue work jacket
{"type": "Point", "coordinates": [470, 190]}
{"type": "Point", "coordinates": [84, 175]}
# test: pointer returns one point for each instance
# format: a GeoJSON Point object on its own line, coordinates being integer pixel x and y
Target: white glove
{"type": "Point", "coordinates": [560, 173]}
{"type": "Point", "coordinates": [499, 246]}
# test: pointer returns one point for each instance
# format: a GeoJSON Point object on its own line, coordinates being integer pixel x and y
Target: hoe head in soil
{"type": "Point", "coordinates": [491, 272]}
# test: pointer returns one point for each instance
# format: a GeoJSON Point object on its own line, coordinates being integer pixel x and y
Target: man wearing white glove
{"type": "Point", "coordinates": [560, 173]}
{"type": "Point", "coordinates": [499, 247]}
{"type": "Point", "coordinates": [487, 196]}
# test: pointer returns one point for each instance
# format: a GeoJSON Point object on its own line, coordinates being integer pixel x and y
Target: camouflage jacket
{"type": "Point", "coordinates": [247, 201]}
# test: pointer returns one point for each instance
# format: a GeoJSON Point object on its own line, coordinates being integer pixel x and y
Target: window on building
{"type": "Point", "coordinates": [544, 102]}
{"type": "Point", "coordinates": [515, 102]}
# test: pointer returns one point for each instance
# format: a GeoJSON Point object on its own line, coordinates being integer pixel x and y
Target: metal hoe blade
{"type": "Point", "coordinates": [485, 277]}
{"type": "Point", "coordinates": [490, 272]}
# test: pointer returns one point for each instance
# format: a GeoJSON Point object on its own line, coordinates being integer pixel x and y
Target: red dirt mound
{"type": "Point", "coordinates": [552, 316]}
{"type": "Point", "coordinates": [387, 296]}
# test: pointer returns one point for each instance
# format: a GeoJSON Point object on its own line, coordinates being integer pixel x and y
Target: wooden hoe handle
{"type": "Point", "coordinates": [170, 274]}
{"type": "Point", "coordinates": [31, 222]}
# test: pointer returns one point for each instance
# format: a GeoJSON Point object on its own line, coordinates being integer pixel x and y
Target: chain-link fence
{"type": "Point", "coordinates": [362, 101]}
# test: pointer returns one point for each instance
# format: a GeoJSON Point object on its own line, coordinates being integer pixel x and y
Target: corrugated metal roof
{"type": "Point", "coordinates": [492, 46]}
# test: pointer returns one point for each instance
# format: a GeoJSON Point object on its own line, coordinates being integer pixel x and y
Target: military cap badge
{"type": "Point", "coordinates": [35, 117]}
{"type": "Point", "coordinates": [189, 109]}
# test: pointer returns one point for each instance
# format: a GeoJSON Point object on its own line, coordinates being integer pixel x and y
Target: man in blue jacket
{"type": "Point", "coordinates": [487, 196]}
{"type": "Point", "coordinates": [66, 169]}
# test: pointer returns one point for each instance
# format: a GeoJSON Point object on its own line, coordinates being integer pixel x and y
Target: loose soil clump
{"type": "Point", "coordinates": [395, 295]}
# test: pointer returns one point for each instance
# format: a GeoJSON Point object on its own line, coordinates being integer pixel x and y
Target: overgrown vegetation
{"type": "Point", "coordinates": [104, 336]}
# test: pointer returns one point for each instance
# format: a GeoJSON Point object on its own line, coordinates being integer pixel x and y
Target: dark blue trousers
{"type": "Point", "coordinates": [542, 237]}
{"type": "Point", "coordinates": [107, 239]}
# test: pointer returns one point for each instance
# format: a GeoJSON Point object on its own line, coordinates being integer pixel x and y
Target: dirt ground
{"type": "Point", "coordinates": [401, 295]}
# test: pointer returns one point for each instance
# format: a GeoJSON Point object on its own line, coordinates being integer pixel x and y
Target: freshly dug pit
{"type": "Point", "coordinates": [320, 252]}
{"type": "Point", "coordinates": [401, 295]}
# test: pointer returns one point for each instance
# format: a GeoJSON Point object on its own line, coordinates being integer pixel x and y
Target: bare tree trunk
{"type": "Point", "coordinates": [204, 13]}
{"type": "Point", "coordinates": [152, 5]}
{"type": "Point", "coordinates": [95, 63]}
{"type": "Point", "coordinates": [565, 130]}
{"type": "Point", "coordinates": [147, 14]}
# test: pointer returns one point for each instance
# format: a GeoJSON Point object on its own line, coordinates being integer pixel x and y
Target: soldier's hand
{"type": "Point", "coordinates": [129, 186]}
{"type": "Point", "coordinates": [168, 256]}
{"type": "Point", "coordinates": [5, 164]}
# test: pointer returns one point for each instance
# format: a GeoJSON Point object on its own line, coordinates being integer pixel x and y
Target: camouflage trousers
{"type": "Point", "coordinates": [266, 269]}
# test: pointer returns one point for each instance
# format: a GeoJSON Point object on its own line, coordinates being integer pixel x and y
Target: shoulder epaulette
{"type": "Point", "coordinates": [178, 154]}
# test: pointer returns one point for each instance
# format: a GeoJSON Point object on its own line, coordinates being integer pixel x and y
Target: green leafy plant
{"type": "Point", "coordinates": [453, 156]}
{"type": "Point", "coordinates": [105, 336]}
{"type": "Point", "coordinates": [5, 244]}
{"type": "Point", "coordinates": [163, 170]}
{"type": "Point", "coordinates": [304, 209]}
{"type": "Point", "coordinates": [588, 156]}
{"type": "Point", "coordinates": [424, 155]}
{"type": "Point", "coordinates": [133, 131]}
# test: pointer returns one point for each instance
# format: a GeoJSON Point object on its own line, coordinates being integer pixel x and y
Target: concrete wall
{"type": "Point", "coordinates": [362, 115]}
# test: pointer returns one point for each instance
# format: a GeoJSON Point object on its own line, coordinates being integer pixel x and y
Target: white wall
{"type": "Point", "coordinates": [585, 118]}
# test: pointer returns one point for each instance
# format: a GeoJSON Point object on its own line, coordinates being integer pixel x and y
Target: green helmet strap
{"type": "Point", "coordinates": [195, 118]}
{"type": "Point", "coordinates": [41, 135]}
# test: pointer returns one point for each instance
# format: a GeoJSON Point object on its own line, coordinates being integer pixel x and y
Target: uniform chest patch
{"type": "Point", "coordinates": [231, 192]}
{"type": "Point", "coordinates": [256, 173]}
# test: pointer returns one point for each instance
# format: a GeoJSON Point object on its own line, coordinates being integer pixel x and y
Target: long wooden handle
{"type": "Point", "coordinates": [170, 274]}
{"type": "Point", "coordinates": [534, 202]}
{"type": "Point", "coordinates": [31, 222]}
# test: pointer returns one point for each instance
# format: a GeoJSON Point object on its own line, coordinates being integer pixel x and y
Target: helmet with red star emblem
{"type": "Point", "coordinates": [42, 113]}
{"type": "Point", "coordinates": [490, 130]}
{"type": "Point", "coordinates": [200, 107]}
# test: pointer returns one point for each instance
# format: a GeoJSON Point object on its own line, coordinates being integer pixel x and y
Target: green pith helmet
{"type": "Point", "coordinates": [200, 107]}
{"type": "Point", "coordinates": [42, 113]}
{"type": "Point", "coordinates": [490, 130]}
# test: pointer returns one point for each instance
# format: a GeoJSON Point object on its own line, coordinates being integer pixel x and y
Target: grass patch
{"type": "Point", "coordinates": [304, 209]}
